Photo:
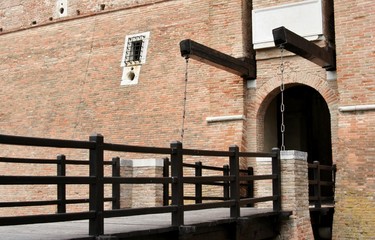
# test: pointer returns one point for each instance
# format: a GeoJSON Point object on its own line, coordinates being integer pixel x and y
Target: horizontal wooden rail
{"type": "Point", "coordinates": [258, 199]}
{"type": "Point", "coordinates": [137, 180]}
{"type": "Point", "coordinates": [205, 167]}
{"type": "Point", "coordinates": [138, 211]}
{"type": "Point", "coordinates": [255, 154]}
{"type": "Point", "coordinates": [46, 202]}
{"type": "Point", "coordinates": [45, 218]}
{"type": "Point", "coordinates": [259, 177]}
{"type": "Point", "coordinates": [28, 203]}
{"type": "Point", "coordinates": [26, 160]}
{"type": "Point", "coordinates": [206, 153]}
{"type": "Point", "coordinates": [135, 149]}
{"type": "Point", "coordinates": [32, 180]}
{"type": "Point", "coordinates": [208, 179]}
{"type": "Point", "coordinates": [205, 198]}
{"type": "Point", "coordinates": [200, 206]}
{"type": "Point", "coordinates": [45, 142]}
{"type": "Point", "coordinates": [48, 161]}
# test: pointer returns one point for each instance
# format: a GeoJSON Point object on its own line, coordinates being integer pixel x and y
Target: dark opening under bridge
{"type": "Point", "coordinates": [228, 217]}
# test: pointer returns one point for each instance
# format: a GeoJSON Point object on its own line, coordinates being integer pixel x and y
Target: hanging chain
{"type": "Point", "coordinates": [185, 97]}
{"type": "Point", "coordinates": [282, 105]}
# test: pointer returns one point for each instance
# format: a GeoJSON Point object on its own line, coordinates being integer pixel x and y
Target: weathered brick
{"type": "Point", "coordinates": [60, 78]}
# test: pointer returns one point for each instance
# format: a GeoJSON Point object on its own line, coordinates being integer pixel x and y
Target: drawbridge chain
{"type": "Point", "coordinates": [282, 105]}
{"type": "Point", "coordinates": [185, 99]}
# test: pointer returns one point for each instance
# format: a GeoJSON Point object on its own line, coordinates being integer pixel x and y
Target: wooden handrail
{"type": "Point", "coordinates": [231, 178]}
{"type": "Point", "coordinates": [316, 184]}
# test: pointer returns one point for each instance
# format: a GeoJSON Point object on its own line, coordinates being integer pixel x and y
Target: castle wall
{"type": "Point", "coordinates": [352, 132]}
{"type": "Point", "coordinates": [355, 202]}
{"type": "Point", "coordinates": [62, 80]}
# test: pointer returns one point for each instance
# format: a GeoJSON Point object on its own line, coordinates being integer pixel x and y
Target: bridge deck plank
{"type": "Point", "coordinates": [125, 226]}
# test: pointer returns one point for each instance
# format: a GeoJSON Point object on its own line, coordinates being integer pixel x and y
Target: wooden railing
{"type": "Point", "coordinates": [96, 181]}
{"type": "Point", "coordinates": [322, 184]}
{"type": "Point", "coordinates": [247, 188]}
{"type": "Point", "coordinates": [61, 201]}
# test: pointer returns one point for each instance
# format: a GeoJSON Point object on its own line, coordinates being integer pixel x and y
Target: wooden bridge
{"type": "Point", "coordinates": [231, 216]}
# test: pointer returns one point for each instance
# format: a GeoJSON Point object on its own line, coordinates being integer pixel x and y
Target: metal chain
{"type": "Point", "coordinates": [185, 98]}
{"type": "Point", "coordinates": [282, 105]}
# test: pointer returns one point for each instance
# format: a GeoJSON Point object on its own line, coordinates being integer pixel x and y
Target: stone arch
{"type": "Point", "coordinates": [270, 89]}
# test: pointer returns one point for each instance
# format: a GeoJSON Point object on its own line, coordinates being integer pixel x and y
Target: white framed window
{"type": "Point", "coordinates": [134, 55]}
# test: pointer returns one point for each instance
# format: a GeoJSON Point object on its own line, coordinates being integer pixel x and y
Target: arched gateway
{"type": "Point", "coordinates": [307, 123]}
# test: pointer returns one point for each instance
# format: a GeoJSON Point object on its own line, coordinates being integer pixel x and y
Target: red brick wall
{"type": "Point", "coordinates": [22, 13]}
{"type": "Point", "coordinates": [62, 80]}
{"type": "Point", "coordinates": [355, 207]}
{"type": "Point", "coordinates": [352, 132]}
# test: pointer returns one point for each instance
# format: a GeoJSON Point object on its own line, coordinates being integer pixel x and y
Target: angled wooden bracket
{"type": "Point", "coordinates": [322, 56]}
{"type": "Point", "coordinates": [244, 67]}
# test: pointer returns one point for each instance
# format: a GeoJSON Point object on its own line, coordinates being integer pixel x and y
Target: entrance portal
{"type": "Point", "coordinates": [308, 129]}
{"type": "Point", "coordinates": [307, 124]}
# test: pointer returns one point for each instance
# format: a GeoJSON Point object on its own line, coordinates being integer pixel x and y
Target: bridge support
{"type": "Point", "coordinates": [151, 194]}
{"type": "Point", "coordinates": [294, 192]}
{"type": "Point", "coordinates": [295, 195]}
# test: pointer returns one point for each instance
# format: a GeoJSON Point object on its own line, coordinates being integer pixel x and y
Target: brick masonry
{"type": "Point", "coordinates": [60, 78]}
{"type": "Point", "coordinates": [355, 207]}
{"type": "Point", "coordinates": [64, 80]}
{"type": "Point", "coordinates": [144, 195]}
{"type": "Point", "coordinates": [294, 191]}
{"type": "Point", "coordinates": [295, 195]}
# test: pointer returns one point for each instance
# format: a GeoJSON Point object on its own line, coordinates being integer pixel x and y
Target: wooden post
{"type": "Point", "coordinates": [198, 186]}
{"type": "Point", "coordinates": [166, 185]}
{"type": "Point", "coordinates": [276, 182]}
{"type": "Point", "coordinates": [226, 183]}
{"type": "Point", "coordinates": [317, 186]}
{"type": "Point", "coordinates": [116, 186]}
{"type": "Point", "coordinates": [96, 224]}
{"type": "Point", "coordinates": [235, 184]}
{"type": "Point", "coordinates": [177, 184]}
{"type": "Point", "coordinates": [61, 187]}
{"type": "Point", "coordinates": [250, 186]}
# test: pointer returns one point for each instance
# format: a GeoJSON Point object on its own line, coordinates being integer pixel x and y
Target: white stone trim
{"type": "Point", "coordinates": [263, 159]}
{"type": "Point", "coordinates": [225, 118]}
{"type": "Point", "coordinates": [293, 155]}
{"type": "Point", "coordinates": [251, 84]}
{"type": "Point", "coordinates": [357, 108]}
{"type": "Point", "coordinates": [62, 8]}
{"type": "Point", "coordinates": [152, 162]}
{"type": "Point", "coordinates": [131, 70]}
{"type": "Point", "coordinates": [331, 75]}
{"type": "Point", "coordinates": [146, 37]}
{"type": "Point", "coordinates": [127, 72]}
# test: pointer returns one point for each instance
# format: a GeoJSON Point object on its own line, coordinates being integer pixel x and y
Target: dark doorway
{"type": "Point", "coordinates": [308, 129]}
{"type": "Point", "coordinates": [307, 123]}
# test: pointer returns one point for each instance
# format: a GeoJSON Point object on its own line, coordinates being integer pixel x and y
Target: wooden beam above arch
{"type": "Point", "coordinates": [322, 56]}
{"type": "Point", "coordinates": [243, 67]}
